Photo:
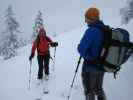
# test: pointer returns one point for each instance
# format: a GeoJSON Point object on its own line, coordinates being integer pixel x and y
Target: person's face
{"type": "Point", "coordinates": [41, 34]}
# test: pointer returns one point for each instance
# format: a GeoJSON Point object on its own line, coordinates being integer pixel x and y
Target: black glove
{"type": "Point", "coordinates": [31, 56]}
{"type": "Point", "coordinates": [54, 44]}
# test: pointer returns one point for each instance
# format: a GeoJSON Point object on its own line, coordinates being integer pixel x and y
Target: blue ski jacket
{"type": "Point", "coordinates": [90, 46]}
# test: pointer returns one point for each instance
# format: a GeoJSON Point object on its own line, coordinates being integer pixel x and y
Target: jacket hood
{"type": "Point", "coordinates": [98, 24]}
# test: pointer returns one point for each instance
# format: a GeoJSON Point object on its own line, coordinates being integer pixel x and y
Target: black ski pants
{"type": "Point", "coordinates": [92, 83]}
{"type": "Point", "coordinates": [43, 63]}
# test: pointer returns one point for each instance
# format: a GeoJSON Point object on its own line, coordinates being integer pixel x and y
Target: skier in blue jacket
{"type": "Point", "coordinates": [90, 48]}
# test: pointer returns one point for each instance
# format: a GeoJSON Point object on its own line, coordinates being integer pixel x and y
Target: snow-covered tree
{"type": "Point", "coordinates": [9, 41]}
{"type": "Point", "coordinates": [127, 12]}
{"type": "Point", "coordinates": [38, 23]}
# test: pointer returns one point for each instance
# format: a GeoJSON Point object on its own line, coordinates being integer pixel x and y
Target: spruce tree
{"type": "Point", "coordinates": [127, 12]}
{"type": "Point", "coordinates": [38, 23]}
{"type": "Point", "coordinates": [9, 42]}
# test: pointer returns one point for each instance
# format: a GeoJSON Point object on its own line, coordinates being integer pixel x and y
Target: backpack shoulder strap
{"type": "Point", "coordinates": [122, 44]}
{"type": "Point", "coordinates": [107, 41]}
{"type": "Point", "coordinates": [107, 36]}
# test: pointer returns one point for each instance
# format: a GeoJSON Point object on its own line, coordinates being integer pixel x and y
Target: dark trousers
{"type": "Point", "coordinates": [43, 63]}
{"type": "Point", "coordinates": [92, 83]}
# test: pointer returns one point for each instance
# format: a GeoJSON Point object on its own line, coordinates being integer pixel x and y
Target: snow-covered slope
{"type": "Point", "coordinates": [14, 75]}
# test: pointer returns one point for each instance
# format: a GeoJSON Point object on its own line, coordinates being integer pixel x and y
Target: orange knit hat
{"type": "Point", "coordinates": [92, 14]}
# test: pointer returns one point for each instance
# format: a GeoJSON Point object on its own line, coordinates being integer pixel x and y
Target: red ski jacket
{"type": "Point", "coordinates": [42, 44]}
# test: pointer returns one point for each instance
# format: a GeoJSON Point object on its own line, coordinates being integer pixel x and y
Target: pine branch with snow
{"type": "Point", "coordinates": [10, 41]}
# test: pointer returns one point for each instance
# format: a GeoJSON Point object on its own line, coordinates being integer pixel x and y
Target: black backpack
{"type": "Point", "coordinates": [117, 48]}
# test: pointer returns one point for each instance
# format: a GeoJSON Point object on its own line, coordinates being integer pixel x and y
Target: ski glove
{"type": "Point", "coordinates": [54, 44]}
{"type": "Point", "coordinates": [31, 56]}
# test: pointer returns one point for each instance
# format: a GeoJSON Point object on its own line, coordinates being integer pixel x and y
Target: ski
{"type": "Point", "coordinates": [39, 86]}
{"type": "Point", "coordinates": [45, 92]}
{"type": "Point", "coordinates": [38, 99]}
{"type": "Point", "coordinates": [42, 86]}
{"type": "Point", "coordinates": [45, 87]}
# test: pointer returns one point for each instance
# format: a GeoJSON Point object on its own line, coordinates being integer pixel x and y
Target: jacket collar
{"type": "Point", "coordinates": [97, 24]}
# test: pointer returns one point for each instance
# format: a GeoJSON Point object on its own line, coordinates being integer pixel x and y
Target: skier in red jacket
{"type": "Point", "coordinates": [42, 44]}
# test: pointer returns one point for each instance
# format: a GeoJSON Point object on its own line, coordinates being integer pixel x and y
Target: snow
{"type": "Point", "coordinates": [14, 75]}
{"type": "Point", "coordinates": [15, 83]}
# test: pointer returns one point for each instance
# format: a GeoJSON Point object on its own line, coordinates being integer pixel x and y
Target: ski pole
{"type": "Point", "coordinates": [74, 78]}
{"type": "Point", "coordinates": [54, 59]}
{"type": "Point", "coordinates": [30, 75]}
